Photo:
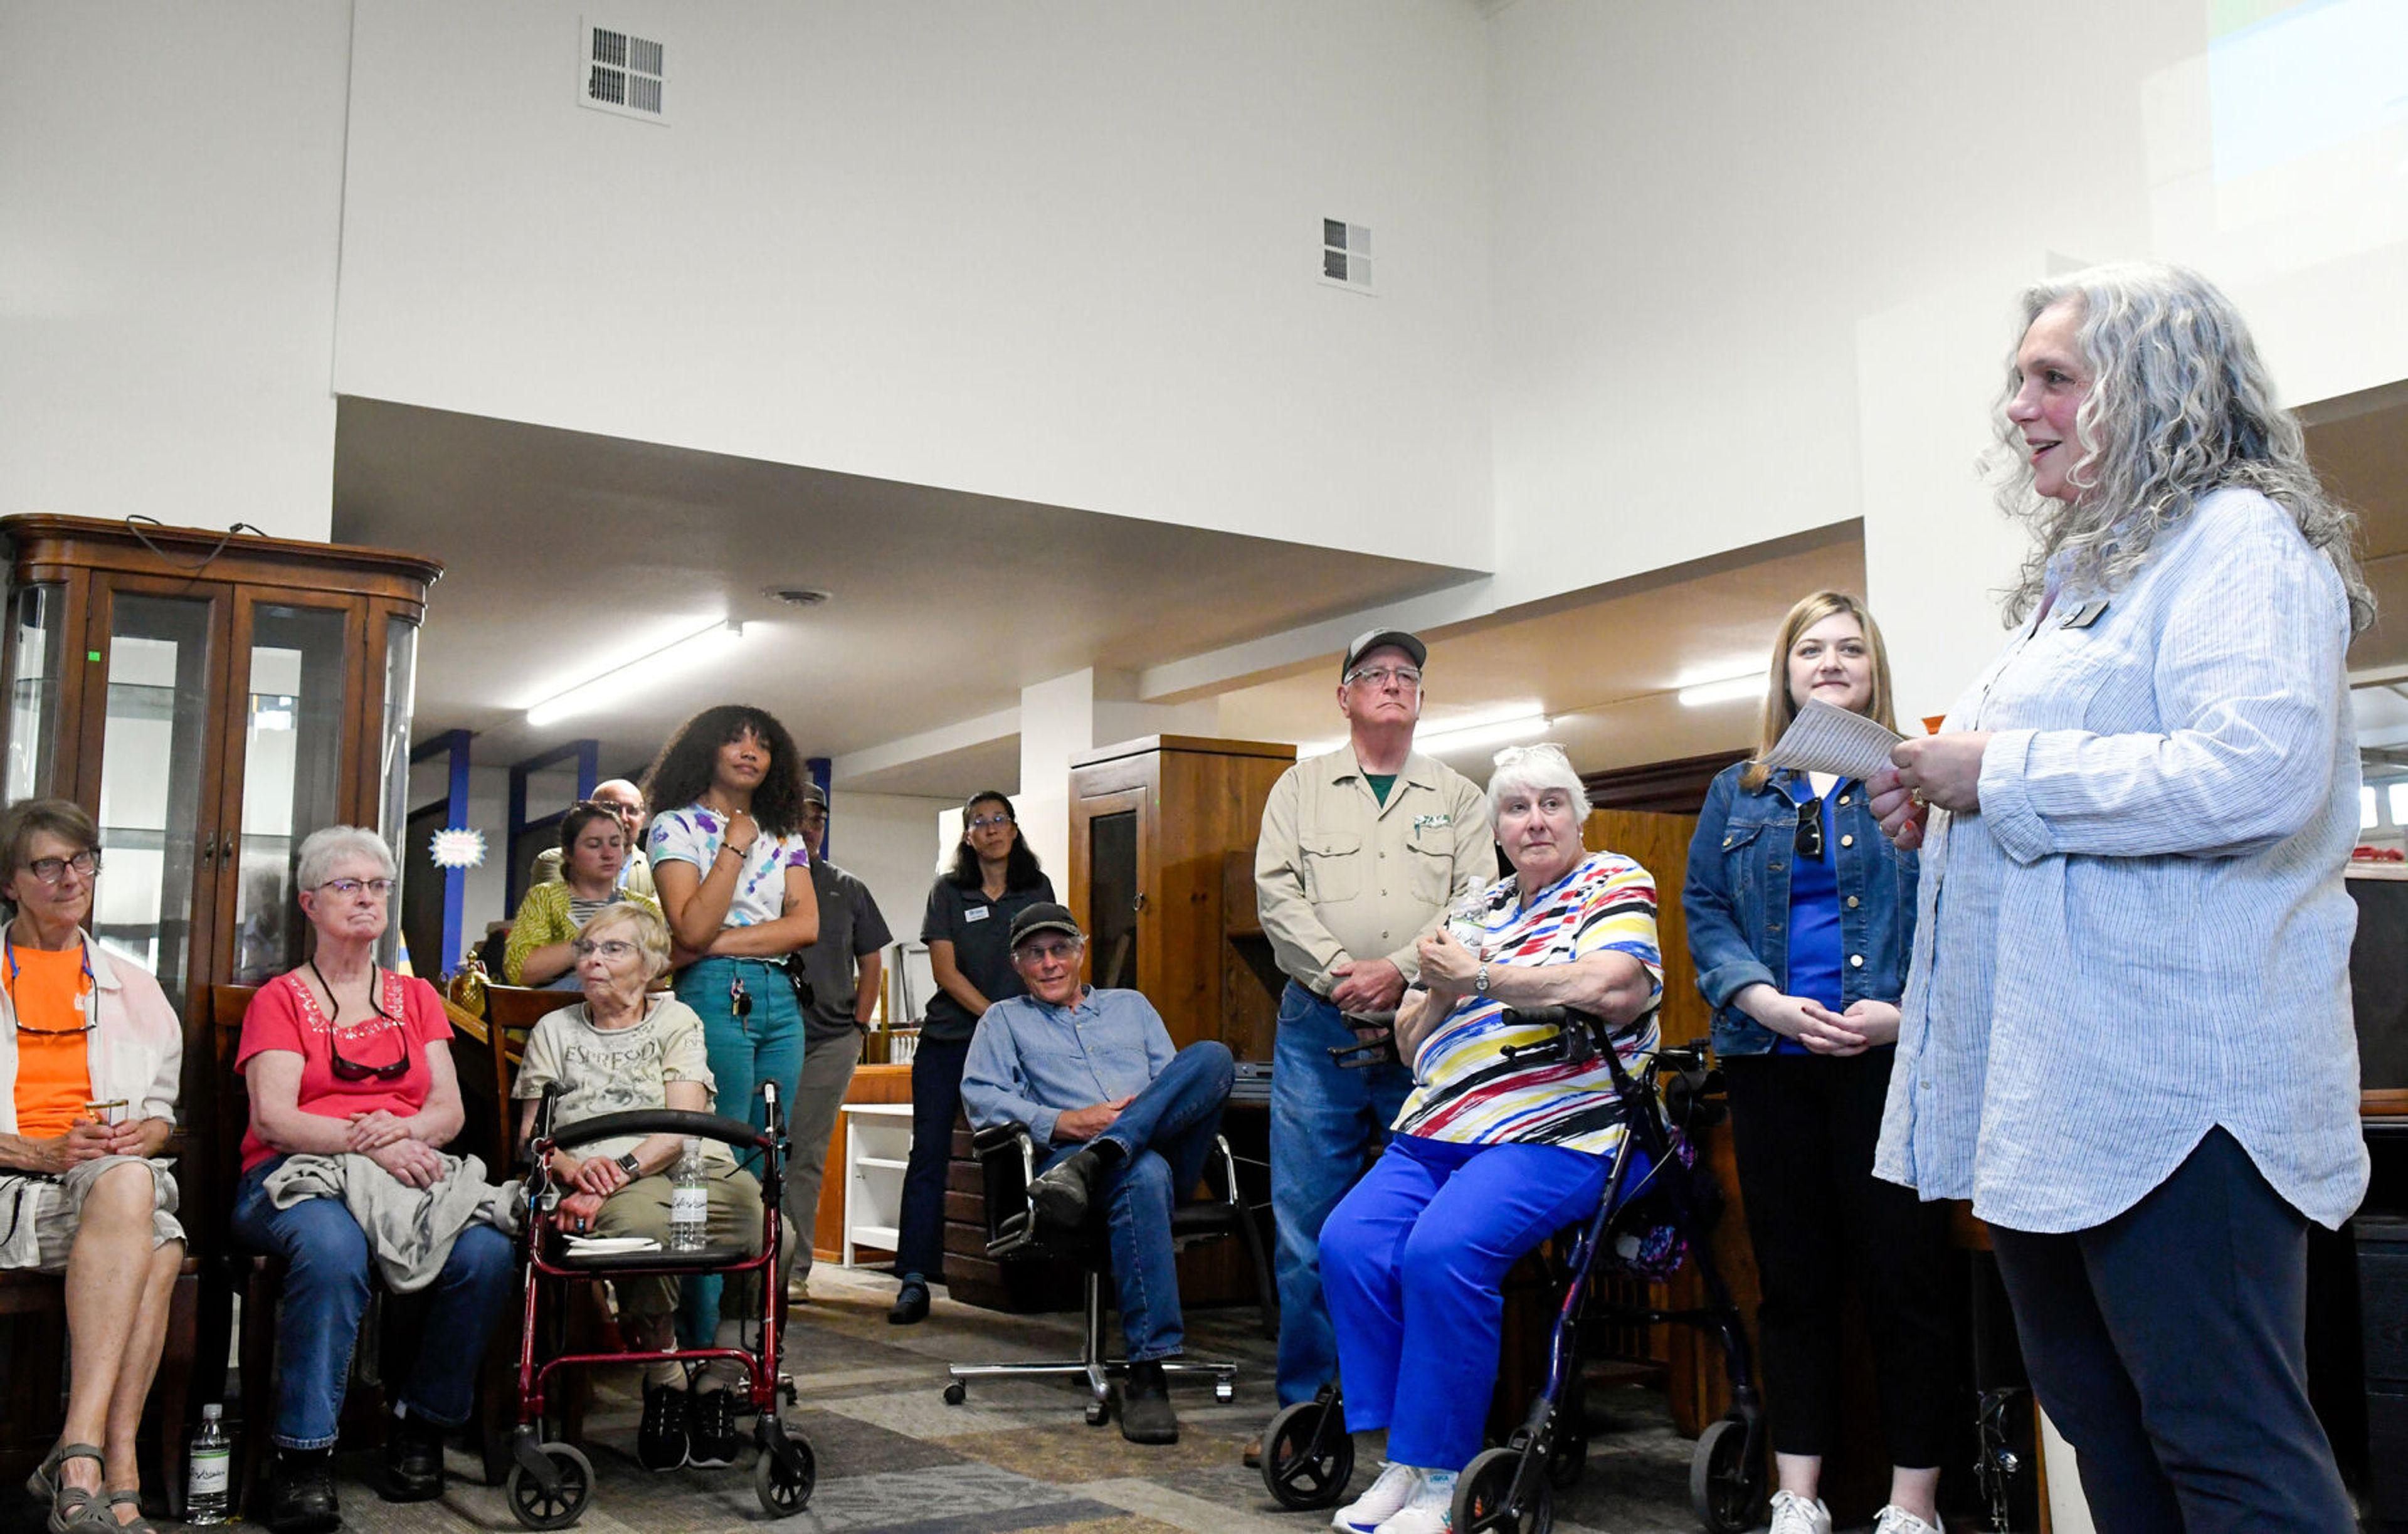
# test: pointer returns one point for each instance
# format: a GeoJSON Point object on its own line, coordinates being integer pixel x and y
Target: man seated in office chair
{"type": "Point", "coordinates": [1121, 1120]}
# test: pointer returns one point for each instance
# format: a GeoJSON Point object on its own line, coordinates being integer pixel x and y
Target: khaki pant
{"type": "Point", "coordinates": [642, 1209]}
{"type": "Point", "coordinates": [819, 1098]}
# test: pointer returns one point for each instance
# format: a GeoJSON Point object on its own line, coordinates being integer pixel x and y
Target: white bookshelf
{"type": "Point", "coordinates": [877, 1148]}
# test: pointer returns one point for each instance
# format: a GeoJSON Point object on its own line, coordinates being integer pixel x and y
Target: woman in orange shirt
{"type": "Point", "coordinates": [88, 1061]}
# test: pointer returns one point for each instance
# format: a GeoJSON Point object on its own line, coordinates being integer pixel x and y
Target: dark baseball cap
{"type": "Point", "coordinates": [1365, 643]}
{"type": "Point", "coordinates": [814, 793]}
{"type": "Point", "coordinates": [1044, 916]}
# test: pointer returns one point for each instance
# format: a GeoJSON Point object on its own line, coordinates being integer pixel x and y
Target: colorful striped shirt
{"type": "Point", "coordinates": [1466, 1091]}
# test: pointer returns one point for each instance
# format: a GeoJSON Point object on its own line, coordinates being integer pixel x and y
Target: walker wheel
{"type": "Point", "coordinates": [1725, 1490]}
{"type": "Point", "coordinates": [1098, 1414]}
{"type": "Point", "coordinates": [1483, 1497]}
{"type": "Point", "coordinates": [956, 1392]}
{"type": "Point", "coordinates": [538, 1509]}
{"type": "Point", "coordinates": [783, 1489]}
{"type": "Point", "coordinates": [1296, 1474]}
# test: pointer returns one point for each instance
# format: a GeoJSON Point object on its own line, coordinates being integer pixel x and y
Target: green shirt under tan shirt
{"type": "Point", "coordinates": [1339, 875]}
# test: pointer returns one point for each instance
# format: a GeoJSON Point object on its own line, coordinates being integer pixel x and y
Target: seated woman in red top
{"type": "Point", "coordinates": [345, 1058]}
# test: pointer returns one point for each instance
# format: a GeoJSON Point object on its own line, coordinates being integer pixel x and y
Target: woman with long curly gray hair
{"type": "Point", "coordinates": [2127, 1031]}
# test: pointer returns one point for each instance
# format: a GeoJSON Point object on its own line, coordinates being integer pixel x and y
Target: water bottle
{"type": "Point", "coordinates": [688, 1201]}
{"type": "Point", "coordinates": [210, 1466]}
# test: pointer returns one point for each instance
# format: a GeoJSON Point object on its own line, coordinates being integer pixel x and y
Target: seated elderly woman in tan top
{"type": "Point", "coordinates": [89, 1061]}
{"type": "Point", "coordinates": [624, 1050]}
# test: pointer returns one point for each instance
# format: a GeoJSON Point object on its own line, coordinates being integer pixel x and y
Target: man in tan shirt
{"type": "Point", "coordinates": [1362, 851]}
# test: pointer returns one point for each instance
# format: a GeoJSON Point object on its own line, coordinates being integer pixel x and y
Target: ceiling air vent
{"type": "Point", "coordinates": [621, 73]}
{"type": "Point", "coordinates": [1346, 255]}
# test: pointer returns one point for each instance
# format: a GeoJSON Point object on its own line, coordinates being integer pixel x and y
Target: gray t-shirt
{"type": "Point", "coordinates": [850, 927]}
{"type": "Point", "coordinates": [617, 1070]}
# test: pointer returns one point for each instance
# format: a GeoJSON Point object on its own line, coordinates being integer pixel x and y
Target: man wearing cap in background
{"type": "Point", "coordinates": [626, 801]}
{"type": "Point", "coordinates": [1362, 851]}
{"type": "Point", "coordinates": [844, 967]}
{"type": "Point", "coordinates": [1122, 1121]}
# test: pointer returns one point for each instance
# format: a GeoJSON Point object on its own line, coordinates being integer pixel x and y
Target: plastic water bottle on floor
{"type": "Point", "coordinates": [211, 1469]}
{"type": "Point", "coordinates": [688, 1201]}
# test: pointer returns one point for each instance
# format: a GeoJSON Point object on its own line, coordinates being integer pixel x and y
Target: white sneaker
{"type": "Point", "coordinates": [1894, 1519]}
{"type": "Point", "coordinates": [1431, 1510]}
{"type": "Point", "coordinates": [1393, 1490]}
{"type": "Point", "coordinates": [1796, 1515]}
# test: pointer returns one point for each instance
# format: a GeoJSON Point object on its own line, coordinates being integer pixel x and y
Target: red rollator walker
{"type": "Point", "coordinates": [550, 1481]}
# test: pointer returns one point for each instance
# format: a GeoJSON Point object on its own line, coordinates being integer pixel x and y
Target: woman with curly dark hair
{"type": "Point", "coordinates": [733, 870]}
{"type": "Point", "coordinates": [994, 877]}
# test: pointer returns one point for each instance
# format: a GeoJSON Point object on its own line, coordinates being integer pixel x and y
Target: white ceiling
{"type": "Point", "coordinates": [566, 553]}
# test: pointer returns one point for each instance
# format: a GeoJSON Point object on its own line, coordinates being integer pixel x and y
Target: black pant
{"type": "Point", "coordinates": [1804, 1127]}
{"type": "Point", "coordinates": [2170, 1347]}
{"type": "Point", "coordinates": [936, 1103]}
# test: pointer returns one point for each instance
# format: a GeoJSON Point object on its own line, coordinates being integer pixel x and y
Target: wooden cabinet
{"type": "Point", "coordinates": [1154, 824]}
{"type": "Point", "coordinates": [211, 699]}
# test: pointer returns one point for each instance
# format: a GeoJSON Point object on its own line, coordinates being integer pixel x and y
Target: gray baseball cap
{"type": "Point", "coordinates": [1365, 643]}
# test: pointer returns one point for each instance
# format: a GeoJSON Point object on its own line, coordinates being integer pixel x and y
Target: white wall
{"type": "Point", "coordinates": [1066, 254]}
{"type": "Point", "coordinates": [170, 206]}
{"type": "Point", "coordinates": [890, 842]}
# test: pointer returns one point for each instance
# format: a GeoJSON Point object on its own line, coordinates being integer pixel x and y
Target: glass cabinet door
{"type": "Point", "coordinates": [37, 650]}
{"type": "Point", "coordinates": [293, 720]}
{"type": "Point", "coordinates": [154, 758]}
{"type": "Point", "coordinates": [392, 795]}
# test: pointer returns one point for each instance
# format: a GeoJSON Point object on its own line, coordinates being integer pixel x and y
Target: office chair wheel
{"type": "Point", "coordinates": [1483, 1497]}
{"type": "Point", "coordinates": [784, 1487]}
{"type": "Point", "coordinates": [538, 1509]}
{"type": "Point", "coordinates": [1223, 1392]}
{"type": "Point", "coordinates": [1298, 1471]}
{"type": "Point", "coordinates": [1726, 1491]}
{"type": "Point", "coordinates": [956, 1392]}
{"type": "Point", "coordinates": [1098, 1414]}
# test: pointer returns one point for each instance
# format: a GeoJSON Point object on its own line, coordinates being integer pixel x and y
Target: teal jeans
{"type": "Point", "coordinates": [763, 1045]}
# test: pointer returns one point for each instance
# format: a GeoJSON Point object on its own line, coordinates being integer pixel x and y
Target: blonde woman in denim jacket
{"type": "Point", "coordinates": [1800, 918]}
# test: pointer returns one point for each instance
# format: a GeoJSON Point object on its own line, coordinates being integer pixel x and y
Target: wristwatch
{"type": "Point", "coordinates": [629, 1165]}
{"type": "Point", "coordinates": [1480, 981]}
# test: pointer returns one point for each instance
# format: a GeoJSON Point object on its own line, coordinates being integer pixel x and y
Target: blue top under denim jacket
{"type": "Point", "coordinates": [1737, 901]}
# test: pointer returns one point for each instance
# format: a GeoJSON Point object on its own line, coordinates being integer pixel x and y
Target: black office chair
{"type": "Point", "coordinates": [1007, 1155]}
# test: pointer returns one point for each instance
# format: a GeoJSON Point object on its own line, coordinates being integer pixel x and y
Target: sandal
{"type": "Point", "coordinates": [135, 1524]}
{"type": "Point", "coordinates": [70, 1506]}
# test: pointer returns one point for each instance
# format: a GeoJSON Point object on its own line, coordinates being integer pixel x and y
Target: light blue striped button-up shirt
{"type": "Point", "coordinates": [2143, 933]}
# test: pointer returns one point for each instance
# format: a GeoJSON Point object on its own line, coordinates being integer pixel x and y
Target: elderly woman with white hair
{"type": "Point", "coordinates": [1488, 1158]}
{"type": "Point", "coordinates": [344, 1058]}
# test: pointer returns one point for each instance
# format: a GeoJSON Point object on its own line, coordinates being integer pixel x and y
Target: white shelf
{"type": "Point", "coordinates": [884, 1163]}
{"type": "Point", "coordinates": [877, 1152]}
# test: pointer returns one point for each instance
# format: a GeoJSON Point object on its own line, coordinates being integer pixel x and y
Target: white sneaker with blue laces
{"type": "Point", "coordinates": [1391, 1491]}
{"type": "Point", "coordinates": [1431, 1509]}
{"type": "Point", "coordinates": [1894, 1519]}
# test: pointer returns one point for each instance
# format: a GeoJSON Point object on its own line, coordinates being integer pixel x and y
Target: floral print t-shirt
{"type": "Point", "coordinates": [691, 835]}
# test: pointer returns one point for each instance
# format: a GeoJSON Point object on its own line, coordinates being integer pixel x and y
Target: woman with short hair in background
{"type": "Point", "coordinates": [994, 877]}
{"type": "Point", "coordinates": [1800, 917]}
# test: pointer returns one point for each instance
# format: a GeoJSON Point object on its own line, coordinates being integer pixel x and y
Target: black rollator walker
{"type": "Point", "coordinates": [1309, 1455]}
{"type": "Point", "coordinates": [550, 1481]}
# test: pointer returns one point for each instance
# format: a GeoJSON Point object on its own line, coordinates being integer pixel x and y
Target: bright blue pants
{"type": "Point", "coordinates": [1412, 1261]}
{"type": "Point", "coordinates": [763, 1045]}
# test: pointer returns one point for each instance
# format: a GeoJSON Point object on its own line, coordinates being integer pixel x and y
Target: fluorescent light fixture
{"type": "Point", "coordinates": [615, 684]}
{"type": "Point", "coordinates": [1727, 690]}
{"type": "Point", "coordinates": [1486, 732]}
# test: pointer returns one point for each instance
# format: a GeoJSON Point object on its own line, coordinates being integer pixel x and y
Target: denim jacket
{"type": "Point", "coordinates": [1737, 901]}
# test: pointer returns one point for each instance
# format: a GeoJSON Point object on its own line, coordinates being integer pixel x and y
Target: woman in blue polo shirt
{"type": "Point", "coordinates": [1800, 918]}
{"type": "Point", "coordinates": [994, 877]}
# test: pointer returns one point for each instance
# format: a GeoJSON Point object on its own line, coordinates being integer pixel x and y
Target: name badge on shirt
{"type": "Point", "coordinates": [2084, 615]}
{"type": "Point", "coordinates": [1432, 822]}
{"type": "Point", "coordinates": [976, 914]}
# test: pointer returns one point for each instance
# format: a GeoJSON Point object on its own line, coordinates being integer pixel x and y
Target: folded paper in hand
{"type": "Point", "coordinates": [1826, 739]}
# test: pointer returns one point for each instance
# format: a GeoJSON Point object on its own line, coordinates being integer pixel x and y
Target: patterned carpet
{"type": "Point", "coordinates": [894, 1457]}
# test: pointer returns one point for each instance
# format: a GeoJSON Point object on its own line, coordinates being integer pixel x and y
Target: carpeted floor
{"type": "Point", "coordinates": [1017, 1456]}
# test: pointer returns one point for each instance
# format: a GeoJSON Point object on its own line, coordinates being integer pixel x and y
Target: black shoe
{"type": "Point", "coordinates": [1060, 1194]}
{"type": "Point", "coordinates": [910, 1305]}
{"type": "Point", "coordinates": [1146, 1416]}
{"type": "Point", "coordinates": [660, 1441]}
{"type": "Point", "coordinates": [711, 1429]}
{"type": "Point", "coordinates": [413, 1460]}
{"type": "Point", "coordinates": [301, 1492]}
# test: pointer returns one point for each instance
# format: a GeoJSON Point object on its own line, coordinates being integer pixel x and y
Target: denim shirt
{"type": "Point", "coordinates": [1737, 901]}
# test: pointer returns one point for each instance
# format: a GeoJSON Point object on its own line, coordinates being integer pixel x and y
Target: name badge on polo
{"type": "Point", "coordinates": [977, 913]}
{"type": "Point", "coordinates": [1432, 822]}
{"type": "Point", "coordinates": [2084, 616]}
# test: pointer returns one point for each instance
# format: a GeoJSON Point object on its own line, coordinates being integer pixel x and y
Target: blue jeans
{"type": "Point", "coordinates": [936, 1103]}
{"type": "Point", "coordinates": [1164, 1136]}
{"type": "Point", "coordinates": [325, 1291]}
{"type": "Point", "coordinates": [1413, 1259]}
{"type": "Point", "coordinates": [763, 1045]}
{"type": "Point", "coordinates": [1324, 1119]}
